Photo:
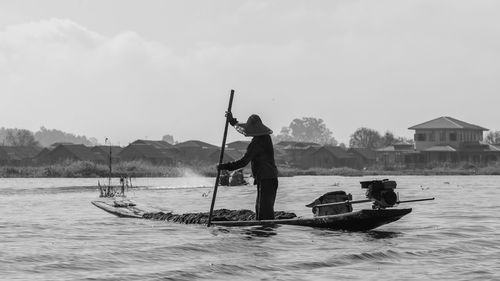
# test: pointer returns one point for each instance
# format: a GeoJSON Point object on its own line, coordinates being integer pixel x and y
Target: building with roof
{"type": "Point", "coordinates": [149, 152]}
{"type": "Point", "coordinates": [230, 155]}
{"type": "Point", "coordinates": [364, 156]}
{"type": "Point", "coordinates": [104, 151]}
{"type": "Point", "coordinates": [194, 151]}
{"type": "Point", "coordinates": [294, 153]}
{"type": "Point", "coordinates": [296, 144]}
{"type": "Point", "coordinates": [72, 152]}
{"type": "Point", "coordinates": [155, 143]}
{"type": "Point", "coordinates": [195, 143]}
{"type": "Point", "coordinates": [446, 139]}
{"type": "Point", "coordinates": [327, 156]}
{"type": "Point", "coordinates": [18, 155]}
{"type": "Point", "coordinates": [438, 133]}
{"type": "Point", "coordinates": [401, 153]}
{"type": "Point", "coordinates": [42, 156]}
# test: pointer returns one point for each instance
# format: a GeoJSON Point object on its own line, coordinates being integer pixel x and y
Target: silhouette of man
{"type": "Point", "coordinates": [260, 154]}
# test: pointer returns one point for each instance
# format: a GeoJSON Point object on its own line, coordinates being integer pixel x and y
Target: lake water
{"type": "Point", "coordinates": [50, 231]}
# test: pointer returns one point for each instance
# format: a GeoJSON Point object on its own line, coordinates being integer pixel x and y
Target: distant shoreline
{"type": "Point", "coordinates": [83, 169]}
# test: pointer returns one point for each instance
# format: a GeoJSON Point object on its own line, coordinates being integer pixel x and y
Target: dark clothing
{"type": "Point", "coordinates": [260, 153]}
{"type": "Point", "coordinates": [266, 195]}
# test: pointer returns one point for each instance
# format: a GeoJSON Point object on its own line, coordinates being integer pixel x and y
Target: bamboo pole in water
{"type": "Point", "coordinates": [220, 160]}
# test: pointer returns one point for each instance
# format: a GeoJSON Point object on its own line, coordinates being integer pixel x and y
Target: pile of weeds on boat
{"type": "Point", "coordinates": [219, 215]}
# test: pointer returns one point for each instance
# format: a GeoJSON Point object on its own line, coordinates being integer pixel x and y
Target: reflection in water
{"type": "Point", "coordinates": [260, 231]}
{"type": "Point", "coordinates": [327, 232]}
{"type": "Point", "coordinates": [376, 234]}
{"type": "Point", "coordinates": [249, 233]}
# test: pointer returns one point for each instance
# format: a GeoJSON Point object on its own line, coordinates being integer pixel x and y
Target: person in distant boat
{"type": "Point", "coordinates": [260, 154]}
{"type": "Point", "coordinates": [122, 183]}
{"type": "Point", "coordinates": [237, 178]}
{"type": "Point", "coordinates": [224, 178]}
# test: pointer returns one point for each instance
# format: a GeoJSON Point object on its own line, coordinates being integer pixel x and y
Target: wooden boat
{"type": "Point", "coordinates": [361, 220]}
{"type": "Point", "coordinates": [122, 211]}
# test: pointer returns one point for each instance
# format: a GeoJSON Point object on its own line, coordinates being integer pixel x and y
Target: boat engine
{"type": "Point", "coordinates": [322, 207]}
{"type": "Point", "coordinates": [381, 192]}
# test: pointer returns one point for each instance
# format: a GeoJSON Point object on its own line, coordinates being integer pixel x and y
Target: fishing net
{"type": "Point", "coordinates": [218, 215]}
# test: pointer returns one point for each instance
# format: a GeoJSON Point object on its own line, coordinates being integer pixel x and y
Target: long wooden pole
{"type": "Point", "coordinates": [369, 200]}
{"type": "Point", "coordinates": [415, 200]}
{"type": "Point", "coordinates": [214, 195]}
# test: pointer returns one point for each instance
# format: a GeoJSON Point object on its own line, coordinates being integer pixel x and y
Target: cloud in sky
{"type": "Point", "coordinates": [383, 64]}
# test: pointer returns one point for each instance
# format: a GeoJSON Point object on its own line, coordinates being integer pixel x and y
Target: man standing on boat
{"type": "Point", "coordinates": [260, 153]}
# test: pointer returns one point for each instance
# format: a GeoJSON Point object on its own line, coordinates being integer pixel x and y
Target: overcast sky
{"type": "Point", "coordinates": [141, 69]}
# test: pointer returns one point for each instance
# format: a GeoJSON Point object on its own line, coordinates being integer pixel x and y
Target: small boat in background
{"type": "Point", "coordinates": [235, 178]}
{"type": "Point", "coordinates": [114, 190]}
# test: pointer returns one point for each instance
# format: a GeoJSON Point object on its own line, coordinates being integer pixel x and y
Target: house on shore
{"type": "Point", "coordinates": [446, 139]}
{"type": "Point", "coordinates": [154, 152]}
{"type": "Point", "coordinates": [155, 143]}
{"type": "Point", "coordinates": [327, 156]}
{"type": "Point", "coordinates": [18, 155]}
{"type": "Point", "coordinates": [296, 144]}
{"type": "Point", "coordinates": [230, 155]}
{"type": "Point", "coordinates": [42, 156]}
{"type": "Point", "coordinates": [364, 157]}
{"type": "Point", "coordinates": [71, 152]}
{"type": "Point", "coordinates": [105, 150]}
{"type": "Point", "coordinates": [294, 153]}
{"type": "Point", "coordinates": [397, 154]}
{"type": "Point", "coordinates": [193, 151]}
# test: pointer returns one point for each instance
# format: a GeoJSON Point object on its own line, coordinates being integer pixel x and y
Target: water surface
{"type": "Point", "coordinates": [50, 231]}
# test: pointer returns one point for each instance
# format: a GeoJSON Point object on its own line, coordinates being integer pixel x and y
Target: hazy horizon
{"type": "Point", "coordinates": [130, 70]}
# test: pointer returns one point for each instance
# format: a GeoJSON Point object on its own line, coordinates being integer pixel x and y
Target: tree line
{"type": "Point", "coordinates": [305, 129]}
{"type": "Point", "coordinates": [310, 129]}
{"type": "Point", "coordinates": [43, 137]}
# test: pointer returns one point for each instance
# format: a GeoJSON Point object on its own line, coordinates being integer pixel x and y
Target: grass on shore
{"type": "Point", "coordinates": [87, 169]}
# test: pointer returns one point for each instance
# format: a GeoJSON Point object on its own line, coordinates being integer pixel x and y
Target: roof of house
{"type": "Point", "coordinates": [364, 152]}
{"type": "Point", "coordinates": [229, 154]}
{"type": "Point", "coordinates": [44, 152]}
{"type": "Point", "coordinates": [80, 151]}
{"type": "Point", "coordinates": [3, 155]}
{"type": "Point", "coordinates": [155, 143]}
{"type": "Point", "coordinates": [18, 152]}
{"type": "Point", "coordinates": [195, 143]}
{"type": "Point", "coordinates": [480, 147]}
{"type": "Point", "coordinates": [396, 148]}
{"type": "Point", "coordinates": [104, 149]}
{"type": "Point", "coordinates": [440, 148]}
{"type": "Point", "coordinates": [296, 144]}
{"type": "Point", "coordinates": [336, 151]}
{"type": "Point", "coordinates": [56, 144]}
{"type": "Point", "coordinates": [403, 146]}
{"type": "Point", "coordinates": [278, 151]}
{"type": "Point", "coordinates": [148, 151]}
{"type": "Point", "coordinates": [446, 122]}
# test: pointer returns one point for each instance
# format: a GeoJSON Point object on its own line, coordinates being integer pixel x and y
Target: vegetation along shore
{"type": "Point", "coordinates": [85, 169]}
